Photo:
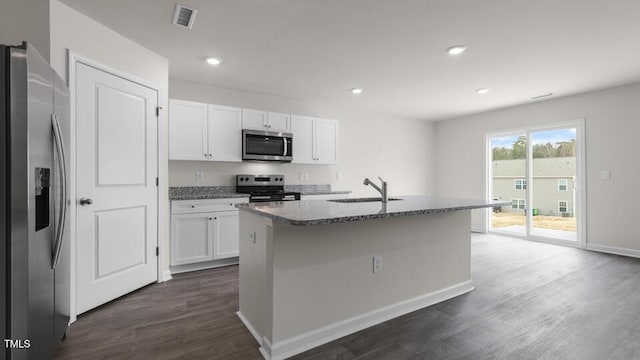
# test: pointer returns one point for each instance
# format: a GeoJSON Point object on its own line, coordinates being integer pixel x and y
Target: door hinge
{"type": "Point", "coordinates": [157, 251]}
{"type": "Point", "coordinates": [158, 108]}
{"type": "Point", "coordinates": [157, 181]}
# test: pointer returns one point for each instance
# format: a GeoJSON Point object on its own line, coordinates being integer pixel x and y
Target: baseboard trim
{"type": "Point", "coordinates": [250, 327]}
{"type": "Point", "coordinates": [614, 250]}
{"type": "Point", "coordinates": [479, 230]}
{"type": "Point", "coordinates": [177, 269]}
{"type": "Point", "coordinates": [303, 342]}
{"type": "Point", "coordinates": [166, 275]}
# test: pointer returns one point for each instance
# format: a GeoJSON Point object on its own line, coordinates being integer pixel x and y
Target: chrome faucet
{"type": "Point", "coordinates": [382, 190]}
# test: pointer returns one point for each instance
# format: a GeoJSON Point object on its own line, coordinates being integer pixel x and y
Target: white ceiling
{"type": "Point", "coordinates": [395, 50]}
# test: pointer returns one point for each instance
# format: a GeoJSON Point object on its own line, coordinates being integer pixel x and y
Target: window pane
{"type": "Point", "coordinates": [508, 182]}
{"type": "Point", "coordinates": [553, 167]}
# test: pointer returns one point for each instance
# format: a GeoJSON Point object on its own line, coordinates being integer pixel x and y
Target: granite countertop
{"type": "Point", "coordinates": [221, 192]}
{"type": "Point", "coordinates": [204, 192]}
{"type": "Point", "coordinates": [323, 189]}
{"type": "Point", "coordinates": [304, 213]}
{"type": "Point", "coordinates": [325, 192]}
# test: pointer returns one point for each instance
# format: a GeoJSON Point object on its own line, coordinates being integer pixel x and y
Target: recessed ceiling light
{"type": "Point", "coordinates": [213, 61]}
{"type": "Point", "coordinates": [356, 91]}
{"type": "Point", "coordinates": [482, 91]}
{"type": "Point", "coordinates": [456, 49]}
{"type": "Point", "coordinates": [541, 96]}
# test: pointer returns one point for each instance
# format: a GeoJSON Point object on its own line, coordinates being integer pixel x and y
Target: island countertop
{"type": "Point", "coordinates": [304, 213]}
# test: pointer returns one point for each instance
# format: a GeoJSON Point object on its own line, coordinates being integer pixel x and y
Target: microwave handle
{"type": "Point", "coordinates": [285, 146]}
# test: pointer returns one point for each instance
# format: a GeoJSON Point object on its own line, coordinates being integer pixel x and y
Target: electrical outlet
{"type": "Point", "coordinates": [301, 175]}
{"type": "Point", "coordinates": [377, 264]}
{"type": "Point", "coordinates": [605, 174]}
{"type": "Point", "coordinates": [252, 237]}
{"type": "Point", "coordinates": [199, 176]}
{"type": "Point", "coordinates": [306, 176]}
{"type": "Point", "coordinates": [339, 175]}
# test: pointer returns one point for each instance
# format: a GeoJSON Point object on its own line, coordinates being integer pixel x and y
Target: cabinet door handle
{"type": "Point", "coordinates": [215, 218]}
{"type": "Point", "coordinates": [193, 206]}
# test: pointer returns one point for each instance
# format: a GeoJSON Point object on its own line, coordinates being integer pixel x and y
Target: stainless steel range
{"type": "Point", "coordinates": [264, 188]}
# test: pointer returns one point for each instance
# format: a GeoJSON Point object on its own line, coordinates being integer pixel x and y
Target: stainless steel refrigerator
{"type": "Point", "coordinates": [34, 246]}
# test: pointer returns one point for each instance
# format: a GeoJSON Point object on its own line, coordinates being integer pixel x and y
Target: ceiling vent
{"type": "Point", "coordinates": [184, 16]}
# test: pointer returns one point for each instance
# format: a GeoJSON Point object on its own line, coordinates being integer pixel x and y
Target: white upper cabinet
{"type": "Point", "coordinates": [214, 133]}
{"type": "Point", "coordinates": [326, 141]}
{"type": "Point", "coordinates": [254, 119]}
{"type": "Point", "coordinates": [225, 133]}
{"type": "Point", "coordinates": [188, 130]}
{"type": "Point", "coordinates": [204, 132]}
{"type": "Point", "coordinates": [279, 122]}
{"type": "Point", "coordinates": [263, 120]}
{"type": "Point", "coordinates": [302, 129]}
{"type": "Point", "coordinates": [315, 140]}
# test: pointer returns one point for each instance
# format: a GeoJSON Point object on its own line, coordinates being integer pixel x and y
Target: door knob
{"type": "Point", "coordinates": [85, 201]}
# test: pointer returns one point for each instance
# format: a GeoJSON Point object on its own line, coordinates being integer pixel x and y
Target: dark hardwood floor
{"type": "Point", "coordinates": [532, 301]}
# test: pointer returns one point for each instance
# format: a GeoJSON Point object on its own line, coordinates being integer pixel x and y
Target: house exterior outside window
{"type": "Point", "coordinates": [518, 204]}
{"type": "Point", "coordinates": [550, 177]}
{"type": "Point", "coordinates": [562, 206]}
{"type": "Point", "coordinates": [563, 184]}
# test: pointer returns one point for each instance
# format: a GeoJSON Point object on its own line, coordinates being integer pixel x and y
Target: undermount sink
{"type": "Point", "coordinates": [358, 200]}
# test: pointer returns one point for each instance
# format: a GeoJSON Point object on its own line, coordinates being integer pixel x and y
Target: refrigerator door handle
{"type": "Point", "coordinates": [62, 169]}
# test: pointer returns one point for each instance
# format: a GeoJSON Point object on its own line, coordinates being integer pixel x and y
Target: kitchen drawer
{"type": "Point", "coordinates": [205, 205]}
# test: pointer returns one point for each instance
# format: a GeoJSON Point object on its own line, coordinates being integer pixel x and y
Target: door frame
{"type": "Point", "coordinates": [581, 198]}
{"type": "Point", "coordinates": [73, 60]}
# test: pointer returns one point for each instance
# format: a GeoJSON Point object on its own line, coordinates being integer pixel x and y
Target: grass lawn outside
{"type": "Point", "coordinates": [503, 219]}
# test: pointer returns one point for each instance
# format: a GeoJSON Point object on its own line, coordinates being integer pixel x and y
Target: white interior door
{"type": "Point", "coordinates": [117, 166]}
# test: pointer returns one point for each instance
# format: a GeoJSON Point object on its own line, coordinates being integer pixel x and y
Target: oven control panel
{"type": "Point", "coordinates": [259, 180]}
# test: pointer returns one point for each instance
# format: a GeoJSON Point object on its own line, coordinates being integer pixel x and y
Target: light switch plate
{"type": "Point", "coordinates": [301, 176]}
{"type": "Point", "coordinates": [605, 174]}
{"type": "Point", "coordinates": [306, 176]}
{"type": "Point", "coordinates": [377, 264]}
{"type": "Point", "coordinates": [199, 176]}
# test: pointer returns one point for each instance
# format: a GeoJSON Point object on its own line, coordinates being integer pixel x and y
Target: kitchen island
{"type": "Point", "coordinates": [314, 271]}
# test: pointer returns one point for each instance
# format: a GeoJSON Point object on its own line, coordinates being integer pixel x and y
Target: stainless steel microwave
{"type": "Point", "coordinates": [267, 145]}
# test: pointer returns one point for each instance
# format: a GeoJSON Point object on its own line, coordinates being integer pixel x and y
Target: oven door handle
{"type": "Point", "coordinates": [261, 197]}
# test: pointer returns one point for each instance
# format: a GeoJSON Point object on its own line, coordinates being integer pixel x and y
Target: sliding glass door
{"type": "Point", "coordinates": [509, 182]}
{"type": "Point", "coordinates": [538, 171]}
{"type": "Point", "coordinates": [553, 190]}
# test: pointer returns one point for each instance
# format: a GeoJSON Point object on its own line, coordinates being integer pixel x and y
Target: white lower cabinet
{"type": "Point", "coordinates": [226, 234]}
{"type": "Point", "coordinates": [191, 238]}
{"type": "Point", "coordinates": [204, 230]}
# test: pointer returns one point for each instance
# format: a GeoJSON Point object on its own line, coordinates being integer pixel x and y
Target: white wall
{"type": "Point", "coordinates": [612, 119]}
{"type": "Point", "coordinates": [400, 151]}
{"type": "Point", "coordinates": [88, 38]}
{"type": "Point", "coordinates": [25, 20]}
